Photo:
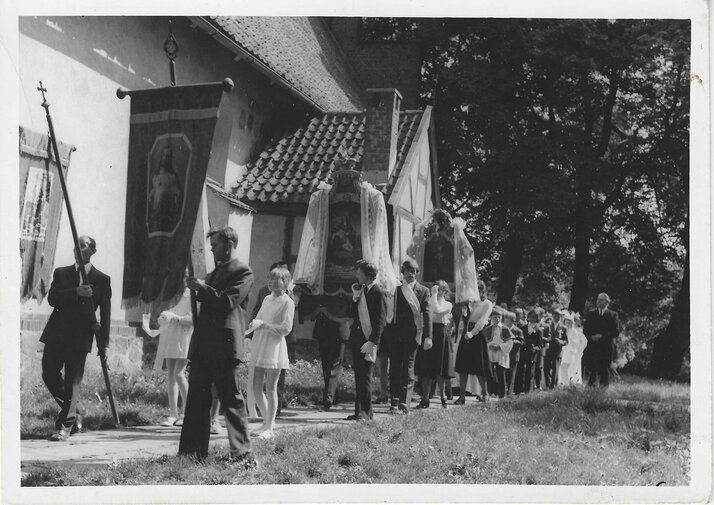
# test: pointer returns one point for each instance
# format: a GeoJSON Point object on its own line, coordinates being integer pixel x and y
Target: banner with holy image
{"type": "Point", "coordinates": [40, 210]}
{"type": "Point", "coordinates": [345, 222]}
{"type": "Point", "coordinates": [170, 140]}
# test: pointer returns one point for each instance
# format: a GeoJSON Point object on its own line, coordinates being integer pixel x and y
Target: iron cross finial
{"type": "Point", "coordinates": [42, 90]}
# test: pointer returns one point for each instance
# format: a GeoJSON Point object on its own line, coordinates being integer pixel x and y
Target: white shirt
{"type": "Point", "coordinates": [87, 268]}
{"type": "Point", "coordinates": [369, 286]}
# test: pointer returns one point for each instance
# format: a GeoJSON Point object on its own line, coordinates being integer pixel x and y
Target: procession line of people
{"type": "Point", "coordinates": [419, 332]}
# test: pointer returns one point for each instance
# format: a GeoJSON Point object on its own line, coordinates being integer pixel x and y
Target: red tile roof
{"type": "Point", "coordinates": [291, 171]}
{"type": "Point", "coordinates": [302, 52]}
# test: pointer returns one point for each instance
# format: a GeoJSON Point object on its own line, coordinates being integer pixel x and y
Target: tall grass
{"type": "Point", "coordinates": [571, 436]}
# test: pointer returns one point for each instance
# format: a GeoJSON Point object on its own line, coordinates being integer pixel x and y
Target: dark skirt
{"type": "Point", "coordinates": [472, 357]}
{"type": "Point", "coordinates": [437, 361]}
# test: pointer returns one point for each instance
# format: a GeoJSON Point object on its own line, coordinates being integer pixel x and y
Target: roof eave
{"type": "Point", "coordinates": [216, 32]}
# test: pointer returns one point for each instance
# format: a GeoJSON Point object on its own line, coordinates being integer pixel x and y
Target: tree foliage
{"type": "Point", "coordinates": [565, 146]}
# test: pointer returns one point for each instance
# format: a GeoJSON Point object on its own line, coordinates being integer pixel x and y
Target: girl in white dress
{"type": "Point", "coordinates": [269, 351]}
{"type": "Point", "coordinates": [175, 328]}
{"type": "Point", "coordinates": [570, 372]}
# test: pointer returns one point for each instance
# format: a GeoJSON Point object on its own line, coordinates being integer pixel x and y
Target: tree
{"type": "Point", "coordinates": [564, 144]}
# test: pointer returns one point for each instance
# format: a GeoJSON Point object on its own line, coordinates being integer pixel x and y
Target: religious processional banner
{"type": "Point", "coordinates": [170, 138]}
{"type": "Point", "coordinates": [40, 210]}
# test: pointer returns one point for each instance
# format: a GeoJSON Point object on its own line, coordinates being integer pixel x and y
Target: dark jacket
{"type": "Point", "coordinates": [608, 325]}
{"type": "Point", "coordinates": [404, 318]}
{"type": "Point", "coordinates": [377, 308]}
{"type": "Point", "coordinates": [219, 330]}
{"type": "Point", "coordinates": [533, 342]}
{"type": "Point", "coordinates": [558, 339]}
{"type": "Point", "coordinates": [70, 323]}
{"type": "Point", "coordinates": [518, 341]}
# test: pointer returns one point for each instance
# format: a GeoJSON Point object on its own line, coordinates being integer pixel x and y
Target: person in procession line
{"type": "Point", "coordinates": [433, 360]}
{"type": "Point", "coordinates": [602, 327]}
{"type": "Point", "coordinates": [269, 349]}
{"type": "Point", "coordinates": [369, 310]}
{"type": "Point", "coordinates": [217, 349]}
{"type": "Point", "coordinates": [69, 333]}
{"type": "Point", "coordinates": [411, 324]}
{"type": "Point", "coordinates": [290, 340]}
{"type": "Point", "coordinates": [175, 328]}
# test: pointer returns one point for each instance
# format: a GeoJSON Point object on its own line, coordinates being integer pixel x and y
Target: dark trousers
{"type": "Point", "coordinates": [524, 374]}
{"type": "Point", "coordinates": [552, 368]}
{"type": "Point", "coordinates": [511, 374]}
{"type": "Point", "coordinates": [499, 374]}
{"type": "Point", "coordinates": [332, 354]}
{"type": "Point", "coordinates": [601, 367]}
{"type": "Point", "coordinates": [538, 370]}
{"type": "Point", "coordinates": [65, 390]}
{"type": "Point", "coordinates": [282, 402]}
{"type": "Point", "coordinates": [401, 370]}
{"type": "Point", "coordinates": [196, 430]}
{"type": "Point", "coordinates": [363, 381]}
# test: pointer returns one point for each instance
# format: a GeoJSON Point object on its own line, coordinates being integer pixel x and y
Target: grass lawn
{"type": "Point", "coordinates": [635, 433]}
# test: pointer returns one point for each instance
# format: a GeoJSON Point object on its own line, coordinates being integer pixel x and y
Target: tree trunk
{"type": "Point", "coordinates": [671, 346]}
{"type": "Point", "coordinates": [583, 234]}
{"type": "Point", "coordinates": [512, 263]}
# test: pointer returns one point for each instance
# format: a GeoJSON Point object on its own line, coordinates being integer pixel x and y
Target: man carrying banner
{"type": "Point", "coordinates": [69, 333]}
{"type": "Point", "coordinates": [217, 348]}
{"type": "Point", "coordinates": [412, 323]}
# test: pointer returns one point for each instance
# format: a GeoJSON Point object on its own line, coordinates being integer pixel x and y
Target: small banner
{"type": "Point", "coordinates": [170, 138]}
{"type": "Point", "coordinates": [40, 210]}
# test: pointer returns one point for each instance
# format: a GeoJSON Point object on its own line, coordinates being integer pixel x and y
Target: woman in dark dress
{"type": "Point", "coordinates": [472, 359]}
{"type": "Point", "coordinates": [433, 360]}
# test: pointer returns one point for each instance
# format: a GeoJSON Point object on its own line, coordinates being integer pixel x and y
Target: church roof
{"type": "Point", "coordinates": [301, 52]}
{"type": "Point", "coordinates": [291, 170]}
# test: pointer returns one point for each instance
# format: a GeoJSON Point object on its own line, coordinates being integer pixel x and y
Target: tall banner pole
{"type": "Point", "coordinates": [95, 329]}
{"type": "Point", "coordinates": [195, 266]}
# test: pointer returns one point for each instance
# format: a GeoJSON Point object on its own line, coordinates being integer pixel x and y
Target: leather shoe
{"type": "Point", "coordinates": [460, 401]}
{"type": "Point", "coordinates": [61, 435]}
{"type": "Point", "coordinates": [353, 417]}
{"type": "Point", "coordinates": [423, 404]}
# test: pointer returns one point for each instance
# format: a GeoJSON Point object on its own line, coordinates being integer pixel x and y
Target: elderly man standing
{"type": "Point", "coordinates": [68, 334]}
{"type": "Point", "coordinates": [217, 348]}
{"type": "Point", "coordinates": [602, 327]}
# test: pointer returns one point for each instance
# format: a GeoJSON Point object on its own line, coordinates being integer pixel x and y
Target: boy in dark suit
{"type": "Point", "coordinates": [369, 310]}
{"type": "Point", "coordinates": [68, 334]}
{"type": "Point", "coordinates": [533, 336]}
{"type": "Point", "coordinates": [509, 320]}
{"type": "Point", "coordinates": [411, 324]}
{"type": "Point", "coordinates": [553, 355]}
{"type": "Point", "coordinates": [602, 327]}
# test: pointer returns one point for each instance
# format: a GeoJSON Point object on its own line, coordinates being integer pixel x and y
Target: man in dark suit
{"type": "Point", "coordinates": [554, 353]}
{"type": "Point", "coordinates": [290, 338]}
{"type": "Point", "coordinates": [217, 348]}
{"type": "Point", "coordinates": [601, 328]}
{"type": "Point", "coordinates": [411, 325]}
{"type": "Point", "coordinates": [369, 309]}
{"type": "Point", "coordinates": [69, 331]}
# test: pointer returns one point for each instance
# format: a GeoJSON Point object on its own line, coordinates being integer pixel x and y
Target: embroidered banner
{"type": "Point", "coordinates": [170, 139]}
{"type": "Point", "coordinates": [40, 211]}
